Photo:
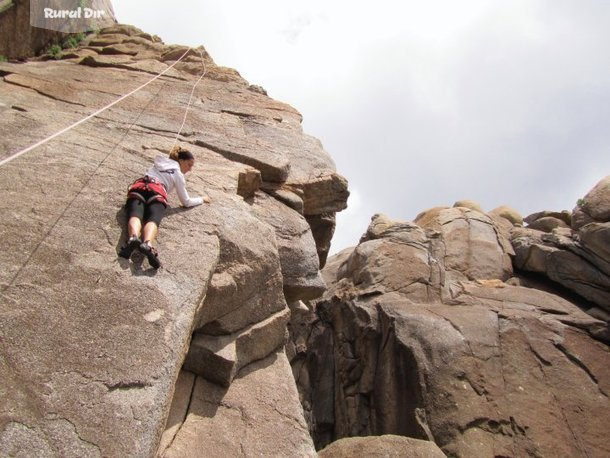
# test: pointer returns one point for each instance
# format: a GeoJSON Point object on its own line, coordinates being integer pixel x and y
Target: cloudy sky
{"type": "Point", "coordinates": [422, 103]}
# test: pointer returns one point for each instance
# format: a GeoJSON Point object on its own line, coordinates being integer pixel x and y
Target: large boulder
{"type": "Point", "coordinates": [472, 244]}
{"type": "Point", "coordinates": [568, 259]}
{"type": "Point", "coordinates": [577, 258]}
{"type": "Point", "coordinates": [382, 446]}
{"type": "Point", "coordinates": [594, 207]}
{"type": "Point", "coordinates": [508, 213]}
{"type": "Point", "coordinates": [471, 204]}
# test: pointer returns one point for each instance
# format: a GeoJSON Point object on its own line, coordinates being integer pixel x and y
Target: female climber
{"type": "Point", "coordinates": [147, 200]}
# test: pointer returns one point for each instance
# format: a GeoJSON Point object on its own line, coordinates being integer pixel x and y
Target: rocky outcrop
{"type": "Point", "coordinates": [426, 332]}
{"type": "Point", "coordinates": [91, 345]}
{"type": "Point", "coordinates": [577, 258]}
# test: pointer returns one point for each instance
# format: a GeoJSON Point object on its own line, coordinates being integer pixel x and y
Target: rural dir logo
{"type": "Point", "coordinates": [71, 16]}
{"type": "Point", "coordinates": [78, 13]}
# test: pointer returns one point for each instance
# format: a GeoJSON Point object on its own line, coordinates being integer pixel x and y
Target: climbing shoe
{"type": "Point", "coordinates": [151, 254]}
{"type": "Point", "coordinates": [130, 245]}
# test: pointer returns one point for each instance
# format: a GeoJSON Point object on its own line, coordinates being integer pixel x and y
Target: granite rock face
{"type": "Point", "coordinates": [91, 345]}
{"type": "Point", "coordinates": [258, 415]}
{"type": "Point", "coordinates": [576, 257]}
{"type": "Point", "coordinates": [427, 332]}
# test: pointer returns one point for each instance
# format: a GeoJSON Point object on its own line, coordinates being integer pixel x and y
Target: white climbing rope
{"type": "Point", "coordinates": [86, 118]}
{"type": "Point", "coordinates": [190, 98]}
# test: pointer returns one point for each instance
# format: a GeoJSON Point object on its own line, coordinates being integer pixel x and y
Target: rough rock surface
{"type": "Point", "coordinates": [423, 334]}
{"type": "Point", "coordinates": [258, 415]}
{"type": "Point", "coordinates": [576, 258]}
{"type": "Point", "coordinates": [508, 213]}
{"type": "Point", "coordinates": [91, 345]}
{"type": "Point", "coordinates": [594, 207]}
{"type": "Point", "coordinates": [382, 447]}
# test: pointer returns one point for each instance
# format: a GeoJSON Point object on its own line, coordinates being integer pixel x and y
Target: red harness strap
{"type": "Point", "coordinates": [149, 185]}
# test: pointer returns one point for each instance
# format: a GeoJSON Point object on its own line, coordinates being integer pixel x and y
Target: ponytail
{"type": "Point", "coordinates": [177, 154]}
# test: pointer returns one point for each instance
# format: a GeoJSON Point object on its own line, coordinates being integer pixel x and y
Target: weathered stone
{"type": "Point", "coordinates": [130, 50]}
{"type": "Point", "coordinates": [382, 446]}
{"type": "Point", "coordinates": [290, 197]}
{"type": "Point", "coordinates": [595, 238]}
{"type": "Point", "coordinates": [175, 52]}
{"type": "Point", "coordinates": [471, 204]}
{"type": "Point", "coordinates": [312, 171]}
{"type": "Point", "coordinates": [455, 243]}
{"type": "Point", "coordinates": [595, 205]}
{"type": "Point", "coordinates": [427, 217]}
{"type": "Point", "coordinates": [564, 216]}
{"type": "Point", "coordinates": [179, 408]}
{"type": "Point", "coordinates": [325, 194]}
{"type": "Point", "coordinates": [298, 328]}
{"type": "Point", "coordinates": [567, 261]}
{"type": "Point", "coordinates": [248, 183]}
{"type": "Point", "coordinates": [383, 227]}
{"type": "Point", "coordinates": [473, 244]}
{"type": "Point", "coordinates": [464, 376]}
{"type": "Point", "coordinates": [247, 286]}
{"type": "Point", "coordinates": [273, 165]}
{"type": "Point", "coordinates": [547, 224]}
{"type": "Point", "coordinates": [107, 39]}
{"type": "Point", "coordinates": [336, 267]}
{"type": "Point", "coordinates": [508, 213]}
{"type": "Point", "coordinates": [219, 358]}
{"type": "Point", "coordinates": [258, 415]}
{"type": "Point", "coordinates": [580, 218]}
{"type": "Point", "coordinates": [125, 62]}
{"type": "Point", "coordinates": [322, 229]}
{"type": "Point", "coordinates": [258, 89]}
{"type": "Point", "coordinates": [373, 267]}
{"type": "Point", "coordinates": [121, 29]}
{"type": "Point", "coordinates": [297, 249]}
{"type": "Point", "coordinates": [78, 54]}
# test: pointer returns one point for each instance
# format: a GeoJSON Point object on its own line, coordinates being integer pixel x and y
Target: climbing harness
{"type": "Point", "coordinates": [143, 187]}
{"type": "Point", "coordinates": [92, 115]}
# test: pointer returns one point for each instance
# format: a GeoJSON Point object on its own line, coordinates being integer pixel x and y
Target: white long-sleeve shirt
{"type": "Point", "coordinates": [167, 171]}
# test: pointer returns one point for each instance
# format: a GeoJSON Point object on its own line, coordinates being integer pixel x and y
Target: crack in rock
{"type": "Point", "coordinates": [578, 363]}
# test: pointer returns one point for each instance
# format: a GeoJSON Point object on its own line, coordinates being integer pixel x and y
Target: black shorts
{"type": "Point", "coordinates": [152, 212]}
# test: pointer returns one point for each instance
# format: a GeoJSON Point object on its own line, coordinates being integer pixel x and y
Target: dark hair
{"type": "Point", "coordinates": [185, 155]}
{"type": "Point", "coordinates": [179, 154]}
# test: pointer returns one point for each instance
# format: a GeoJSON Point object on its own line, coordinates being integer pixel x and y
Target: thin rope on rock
{"type": "Point", "coordinates": [86, 118]}
{"type": "Point", "coordinates": [190, 98]}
